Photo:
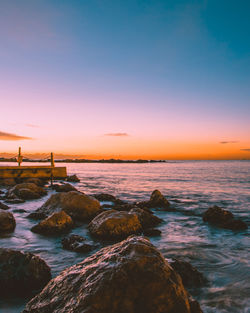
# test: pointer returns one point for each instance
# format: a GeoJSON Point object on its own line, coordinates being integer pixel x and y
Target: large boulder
{"type": "Point", "coordinates": [57, 223]}
{"type": "Point", "coordinates": [22, 273]}
{"type": "Point", "coordinates": [76, 204]}
{"type": "Point", "coordinates": [7, 222]}
{"type": "Point", "coordinates": [129, 277]}
{"type": "Point", "coordinates": [26, 191]}
{"type": "Point", "coordinates": [114, 225]}
{"type": "Point", "coordinates": [191, 277]}
{"type": "Point", "coordinates": [223, 218]}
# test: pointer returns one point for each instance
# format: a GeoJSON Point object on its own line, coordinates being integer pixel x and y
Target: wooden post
{"type": "Point", "coordinates": [19, 158]}
{"type": "Point", "coordinates": [52, 165]}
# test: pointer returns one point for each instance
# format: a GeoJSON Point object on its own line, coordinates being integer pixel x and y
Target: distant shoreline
{"type": "Point", "coordinates": [85, 161]}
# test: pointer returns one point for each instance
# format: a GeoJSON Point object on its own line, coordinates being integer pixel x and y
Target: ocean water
{"type": "Point", "coordinates": [223, 256]}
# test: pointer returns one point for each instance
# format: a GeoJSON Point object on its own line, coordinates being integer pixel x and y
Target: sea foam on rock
{"type": "Point", "coordinates": [223, 218]}
{"type": "Point", "coordinates": [76, 204]}
{"type": "Point", "coordinates": [22, 273]}
{"type": "Point", "coordinates": [128, 277]}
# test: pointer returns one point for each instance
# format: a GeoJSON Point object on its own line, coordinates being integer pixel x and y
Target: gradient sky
{"type": "Point", "coordinates": [128, 79]}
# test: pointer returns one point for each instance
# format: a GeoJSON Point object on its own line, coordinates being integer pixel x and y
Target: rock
{"type": "Point", "coordinates": [105, 197]}
{"type": "Point", "coordinates": [14, 201]}
{"type": "Point", "coordinates": [190, 276]}
{"type": "Point", "coordinates": [158, 200]}
{"type": "Point", "coordinates": [73, 179]}
{"type": "Point", "coordinates": [152, 232]}
{"type": "Point", "coordinates": [37, 215]}
{"type": "Point", "coordinates": [76, 204]}
{"type": "Point", "coordinates": [64, 188]}
{"type": "Point", "coordinates": [26, 191]}
{"type": "Point", "coordinates": [76, 243]}
{"type": "Point", "coordinates": [8, 182]}
{"type": "Point", "coordinates": [123, 206]}
{"type": "Point", "coordinates": [112, 224]}
{"type": "Point", "coordinates": [147, 219]}
{"type": "Point", "coordinates": [129, 277]}
{"type": "Point", "coordinates": [22, 273]}
{"type": "Point", "coordinates": [7, 222]}
{"type": "Point", "coordinates": [19, 211]}
{"type": "Point", "coordinates": [4, 206]}
{"type": "Point", "coordinates": [223, 218]}
{"type": "Point", "coordinates": [57, 223]}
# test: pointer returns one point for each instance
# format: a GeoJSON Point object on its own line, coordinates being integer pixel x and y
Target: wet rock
{"type": "Point", "coordinates": [146, 218]}
{"type": "Point", "coordinates": [4, 206]}
{"type": "Point", "coordinates": [194, 306]}
{"type": "Point", "coordinates": [57, 223]}
{"type": "Point", "coordinates": [64, 188]}
{"type": "Point", "coordinates": [112, 225]}
{"type": "Point", "coordinates": [26, 191]}
{"type": "Point", "coordinates": [105, 197]}
{"type": "Point", "coordinates": [73, 179]}
{"type": "Point", "coordinates": [152, 232]}
{"type": "Point", "coordinates": [14, 201]}
{"type": "Point", "coordinates": [129, 277]}
{"type": "Point", "coordinates": [223, 218]}
{"type": "Point", "coordinates": [76, 204]}
{"type": "Point", "coordinates": [37, 216]}
{"type": "Point", "coordinates": [76, 243]}
{"type": "Point", "coordinates": [7, 182]}
{"type": "Point", "coordinates": [22, 273]}
{"type": "Point", "coordinates": [19, 211]}
{"type": "Point", "coordinates": [7, 222]}
{"type": "Point", "coordinates": [123, 206]}
{"type": "Point", "coordinates": [158, 200]}
{"type": "Point", "coordinates": [191, 277]}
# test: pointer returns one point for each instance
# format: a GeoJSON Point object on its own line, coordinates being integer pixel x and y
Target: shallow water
{"type": "Point", "coordinates": [191, 186]}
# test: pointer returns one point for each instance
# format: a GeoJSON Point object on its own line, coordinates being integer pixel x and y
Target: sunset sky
{"type": "Point", "coordinates": [127, 79]}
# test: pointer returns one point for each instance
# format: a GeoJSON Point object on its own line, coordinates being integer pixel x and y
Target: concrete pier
{"type": "Point", "coordinates": [32, 171]}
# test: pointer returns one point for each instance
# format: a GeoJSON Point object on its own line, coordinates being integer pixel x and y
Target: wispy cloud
{"type": "Point", "coordinates": [32, 125]}
{"type": "Point", "coordinates": [226, 142]}
{"type": "Point", "coordinates": [8, 136]}
{"type": "Point", "coordinates": [117, 135]}
{"type": "Point", "coordinates": [246, 150]}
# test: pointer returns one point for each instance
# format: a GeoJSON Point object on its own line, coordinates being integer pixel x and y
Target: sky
{"type": "Point", "coordinates": [158, 79]}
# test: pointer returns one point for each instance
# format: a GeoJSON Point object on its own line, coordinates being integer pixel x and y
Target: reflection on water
{"type": "Point", "coordinates": [191, 187]}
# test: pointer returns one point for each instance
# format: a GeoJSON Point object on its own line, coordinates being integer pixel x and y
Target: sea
{"type": "Point", "coordinates": [223, 256]}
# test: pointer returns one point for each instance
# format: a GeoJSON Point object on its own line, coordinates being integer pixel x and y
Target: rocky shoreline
{"type": "Point", "coordinates": [130, 275]}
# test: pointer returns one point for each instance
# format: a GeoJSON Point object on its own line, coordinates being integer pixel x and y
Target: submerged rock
{"type": "Point", "coordinates": [22, 273]}
{"type": "Point", "coordinates": [129, 277]}
{"type": "Point", "coordinates": [64, 188]}
{"type": "Point", "coordinates": [112, 224]}
{"type": "Point", "coordinates": [223, 218]}
{"type": "Point", "coordinates": [7, 222]}
{"type": "Point", "coordinates": [4, 206]}
{"type": "Point", "coordinates": [73, 179]}
{"type": "Point", "coordinates": [26, 191]}
{"type": "Point", "coordinates": [57, 223]}
{"type": "Point", "coordinates": [76, 204]}
{"type": "Point", "coordinates": [76, 243]}
{"type": "Point", "coordinates": [190, 276]}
